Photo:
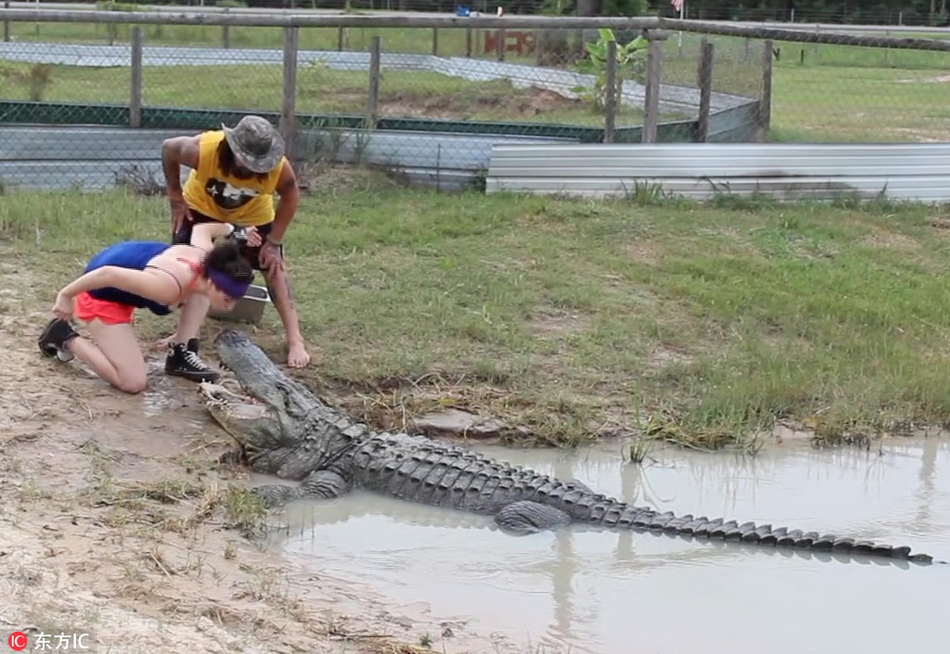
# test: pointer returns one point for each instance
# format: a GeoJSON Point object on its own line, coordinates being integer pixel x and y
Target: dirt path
{"type": "Point", "coordinates": [117, 521]}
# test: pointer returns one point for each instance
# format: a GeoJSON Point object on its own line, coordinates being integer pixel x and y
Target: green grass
{"type": "Point", "coordinates": [840, 93]}
{"type": "Point", "coordinates": [576, 318]}
{"type": "Point", "coordinates": [319, 90]}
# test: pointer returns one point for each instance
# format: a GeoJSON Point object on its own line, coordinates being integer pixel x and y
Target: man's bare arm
{"type": "Point", "coordinates": [289, 194]}
{"type": "Point", "coordinates": [178, 151]}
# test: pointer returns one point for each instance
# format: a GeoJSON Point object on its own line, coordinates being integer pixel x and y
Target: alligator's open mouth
{"type": "Point", "coordinates": [248, 421]}
{"type": "Point", "coordinates": [221, 400]}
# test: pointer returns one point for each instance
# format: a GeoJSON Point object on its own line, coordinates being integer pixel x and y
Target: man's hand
{"type": "Point", "coordinates": [180, 212]}
{"type": "Point", "coordinates": [270, 258]}
{"type": "Point", "coordinates": [63, 308]}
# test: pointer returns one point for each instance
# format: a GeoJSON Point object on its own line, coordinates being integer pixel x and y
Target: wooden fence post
{"type": "Point", "coordinates": [705, 79]}
{"type": "Point", "coordinates": [288, 109]}
{"type": "Point", "coordinates": [372, 98]}
{"type": "Point", "coordinates": [651, 100]}
{"type": "Point", "coordinates": [610, 93]}
{"type": "Point", "coordinates": [765, 102]}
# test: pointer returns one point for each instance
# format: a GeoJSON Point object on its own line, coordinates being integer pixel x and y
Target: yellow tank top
{"type": "Point", "coordinates": [245, 202]}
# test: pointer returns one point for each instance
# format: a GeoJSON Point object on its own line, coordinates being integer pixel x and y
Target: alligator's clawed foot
{"type": "Point", "coordinates": [235, 457]}
{"type": "Point", "coordinates": [275, 495]}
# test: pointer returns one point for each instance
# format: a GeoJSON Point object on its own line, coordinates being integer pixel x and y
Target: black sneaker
{"type": "Point", "coordinates": [53, 340]}
{"type": "Point", "coordinates": [183, 361]}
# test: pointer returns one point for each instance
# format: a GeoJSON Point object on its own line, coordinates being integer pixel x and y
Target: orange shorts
{"type": "Point", "coordinates": [89, 308]}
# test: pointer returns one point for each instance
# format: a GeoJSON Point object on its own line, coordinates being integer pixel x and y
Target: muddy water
{"type": "Point", "coordinates": [585, 590]}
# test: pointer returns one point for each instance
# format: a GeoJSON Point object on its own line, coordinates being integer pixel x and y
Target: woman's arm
{"type": "Point", "coordinates": [159, 287]}
{"type": "Point", "coordinates": [203, 235]}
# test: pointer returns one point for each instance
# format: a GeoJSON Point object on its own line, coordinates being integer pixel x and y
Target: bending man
{"type": "Point", "coordinates": [140, 275]}
{"type": "Point", "coordinates": [235, 174]}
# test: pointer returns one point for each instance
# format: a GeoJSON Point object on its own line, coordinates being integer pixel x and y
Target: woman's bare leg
{"type": "Point", "coordinates": [113, 354]}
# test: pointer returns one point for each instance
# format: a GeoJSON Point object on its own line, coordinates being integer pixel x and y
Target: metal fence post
{"type": "Point", "coordinates": [135, 95]}
{"type": "Point", "coordinates": [705, 80]}
{"type": "Point", "coordinates": [435, 41]}
{"type": "Point", "coordinates": [610, 93]}
{"type": "Point", "coordinates": [288, 109]}
{"type": "Point", "coordinates": [372, 98]}
{"type": "Point", "coordinates": [651, 100]}
{"type": "Point", "coordinates": [6, 23]}
{"type": "Point", "coordinates": [765, 102]}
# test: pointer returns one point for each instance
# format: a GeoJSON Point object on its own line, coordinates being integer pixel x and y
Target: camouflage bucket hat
{"type": "Point", "coordinates": [256, 142]}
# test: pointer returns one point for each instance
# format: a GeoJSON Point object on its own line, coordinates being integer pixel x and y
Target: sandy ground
{"type": "Point", "coordinates": [117, 521]}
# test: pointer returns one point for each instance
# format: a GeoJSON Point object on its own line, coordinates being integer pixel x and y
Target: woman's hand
{"type": "Point", "coordinates": [253, 237]}
{"type": "Point", "coordinates": [63, 308]}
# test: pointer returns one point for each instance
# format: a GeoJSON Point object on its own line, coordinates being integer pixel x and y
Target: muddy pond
{"type": "Point", "coordinates": [604, 592]}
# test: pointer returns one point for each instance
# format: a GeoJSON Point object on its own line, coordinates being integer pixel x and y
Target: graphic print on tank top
{"type": "Point", "coordinates": [227, 196]}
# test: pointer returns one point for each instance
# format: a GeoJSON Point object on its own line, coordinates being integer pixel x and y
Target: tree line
{"type": "Point", "coordinates": [873, 12]}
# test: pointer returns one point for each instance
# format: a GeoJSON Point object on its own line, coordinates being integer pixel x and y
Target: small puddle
{"type": "Point", "coordinates": [601, 591]}
{"type": "Point", "coordinates": [160, 395]}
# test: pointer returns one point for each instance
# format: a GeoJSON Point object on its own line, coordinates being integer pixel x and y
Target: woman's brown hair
{"type": "Point", "coordinates": [226, 257]}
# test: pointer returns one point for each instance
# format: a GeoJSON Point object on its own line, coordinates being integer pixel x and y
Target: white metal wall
{"type": "Point", "coordinates": [786, 171]}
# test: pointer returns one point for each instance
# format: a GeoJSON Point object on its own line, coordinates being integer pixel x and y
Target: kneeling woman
{"type": "Point", "coordinates": [141, 275]}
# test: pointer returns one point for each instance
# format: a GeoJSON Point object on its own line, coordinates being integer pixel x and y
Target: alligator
{"type": "Point", "coordinates": [284, 430]}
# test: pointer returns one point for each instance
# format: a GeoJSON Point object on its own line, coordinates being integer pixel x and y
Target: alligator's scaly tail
{"type": "Point", "coordinates": [598, 509]}
{"type": "Point", "coordinates": [444, 475]}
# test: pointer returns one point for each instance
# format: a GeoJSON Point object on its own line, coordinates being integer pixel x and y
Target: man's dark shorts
{"type": "Point", "coordinates": [183, 237]}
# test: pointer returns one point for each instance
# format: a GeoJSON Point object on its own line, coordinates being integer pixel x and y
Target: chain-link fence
{"type": "Point", "coordinates": [431, 100]}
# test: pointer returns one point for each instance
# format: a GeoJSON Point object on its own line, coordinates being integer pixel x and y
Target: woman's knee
{"type": "Point", "coordinates": [131, 382]}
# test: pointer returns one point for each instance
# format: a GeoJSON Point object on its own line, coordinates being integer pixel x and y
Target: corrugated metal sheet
{"type": "Point", "coordinates": [915, 171]}
{"type": "Point", "coordinates": [91, 158]}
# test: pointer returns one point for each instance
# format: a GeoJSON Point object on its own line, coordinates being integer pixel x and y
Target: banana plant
{"type": "Point", "coordinates": [630, 64]}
